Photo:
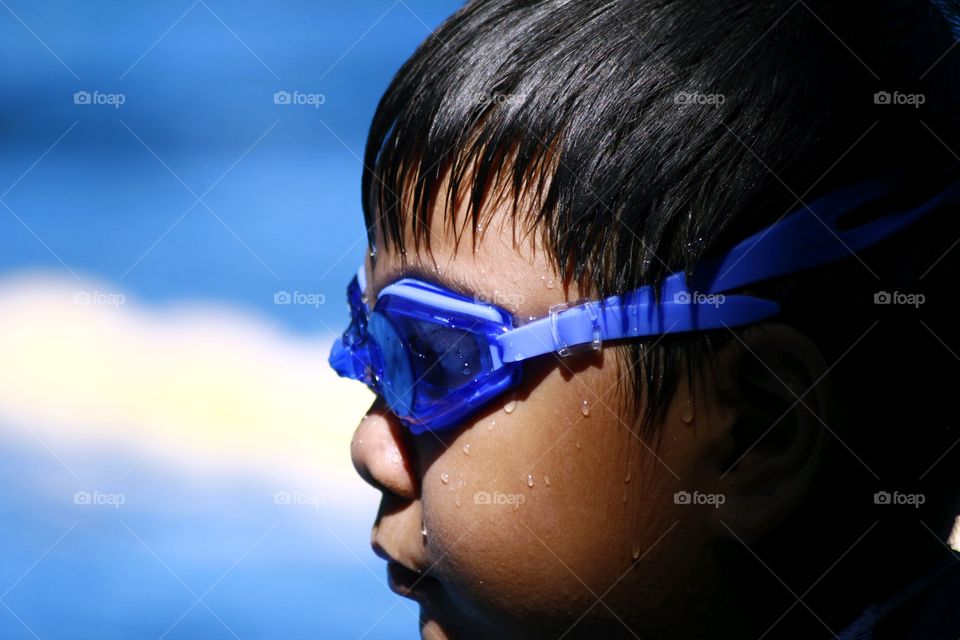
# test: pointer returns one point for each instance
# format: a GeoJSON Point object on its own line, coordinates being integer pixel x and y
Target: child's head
{"type": "Point", "coordinates": [533, 153]}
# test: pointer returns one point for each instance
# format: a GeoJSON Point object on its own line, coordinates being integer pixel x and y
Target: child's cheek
{"type": "Point", "coordinates": [519, 508]}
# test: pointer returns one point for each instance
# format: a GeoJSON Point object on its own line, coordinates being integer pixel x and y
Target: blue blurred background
{"type": "Point", "coordinates": [179, 214]}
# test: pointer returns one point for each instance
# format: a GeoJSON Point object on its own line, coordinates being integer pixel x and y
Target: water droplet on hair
{"type": "Point", "coordinates": [444, 477]}
{"type": "Point", "coordinates": [509, 406]}
{"type": "Point", "coordinates": [466, 448]}
{"type": "Point", "coordinates": [585, 408]}
{"type": "Point", "coordinates": [546, 480]}
{"type": "Point", "coordinates": [529, 479]}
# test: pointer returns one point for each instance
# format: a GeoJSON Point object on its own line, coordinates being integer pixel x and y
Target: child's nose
{"type": "Point", "coordinates": [381, 454]}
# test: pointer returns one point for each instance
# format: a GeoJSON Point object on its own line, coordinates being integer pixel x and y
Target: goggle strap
{"type": "Point", "coordinates": [809, 237]}
{"type": "Point", "coordinates": [586, 326]}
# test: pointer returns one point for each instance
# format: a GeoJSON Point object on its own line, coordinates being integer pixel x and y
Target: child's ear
{"type": "Point", "coordinates": [775, 400]}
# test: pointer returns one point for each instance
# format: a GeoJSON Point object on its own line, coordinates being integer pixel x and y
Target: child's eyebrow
{"type": "Point", "coordinates": [458, 284]}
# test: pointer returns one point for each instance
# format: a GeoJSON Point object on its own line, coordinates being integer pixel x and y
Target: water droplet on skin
{"type": "Point", "coordinates": [444, 477]}
{"type": "Point", "coordinates": [624, 495]}
{"type": "Point", "coordinates": [585, 408]}
{"type": "Point", "coordinates": [423, 529]}
{"type": "Point", "coordinates": [578, 445]}
{"type": "Point", "coordinates": [547, 282]}
{"type": "Point", "coordinates": [457, 501]}
{"type": "Point", "coordinates": [686, 412]}
{"type": "Point", "coordinates": [466, 448]}
{"type": "Point", "coordinates": [546, 480]}
{"type": "Point", "coordinates": [636, 553]}
{"type": "Point", "coordinates": [509, 406]}
{"type": "Point", "coordinates": [629, 475]}
{"type": "Point", "coordinates": [529, 480]}
{"type": "Point", "coordinates": [492, 424]}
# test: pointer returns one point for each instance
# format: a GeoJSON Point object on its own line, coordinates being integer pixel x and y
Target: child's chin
{"type": "Point", "coordinates": [430, 629]}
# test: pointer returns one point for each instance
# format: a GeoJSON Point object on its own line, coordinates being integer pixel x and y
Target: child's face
{"type": "Point", "coordinates": [544, 511]}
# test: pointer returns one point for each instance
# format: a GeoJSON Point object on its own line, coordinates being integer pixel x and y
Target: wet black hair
{"type": "Point", "coordinates": [638, 136]}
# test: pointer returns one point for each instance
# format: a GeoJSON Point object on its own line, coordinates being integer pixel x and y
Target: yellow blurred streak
{"type": "Point", "coordinates": [203, 386]}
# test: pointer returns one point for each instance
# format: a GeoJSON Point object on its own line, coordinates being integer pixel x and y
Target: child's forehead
{"type": "Point", "coordinates": [496, 262]}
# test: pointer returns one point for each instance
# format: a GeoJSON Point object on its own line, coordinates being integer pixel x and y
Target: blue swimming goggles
{"type": "Point", "coordinates": [436, 356]}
